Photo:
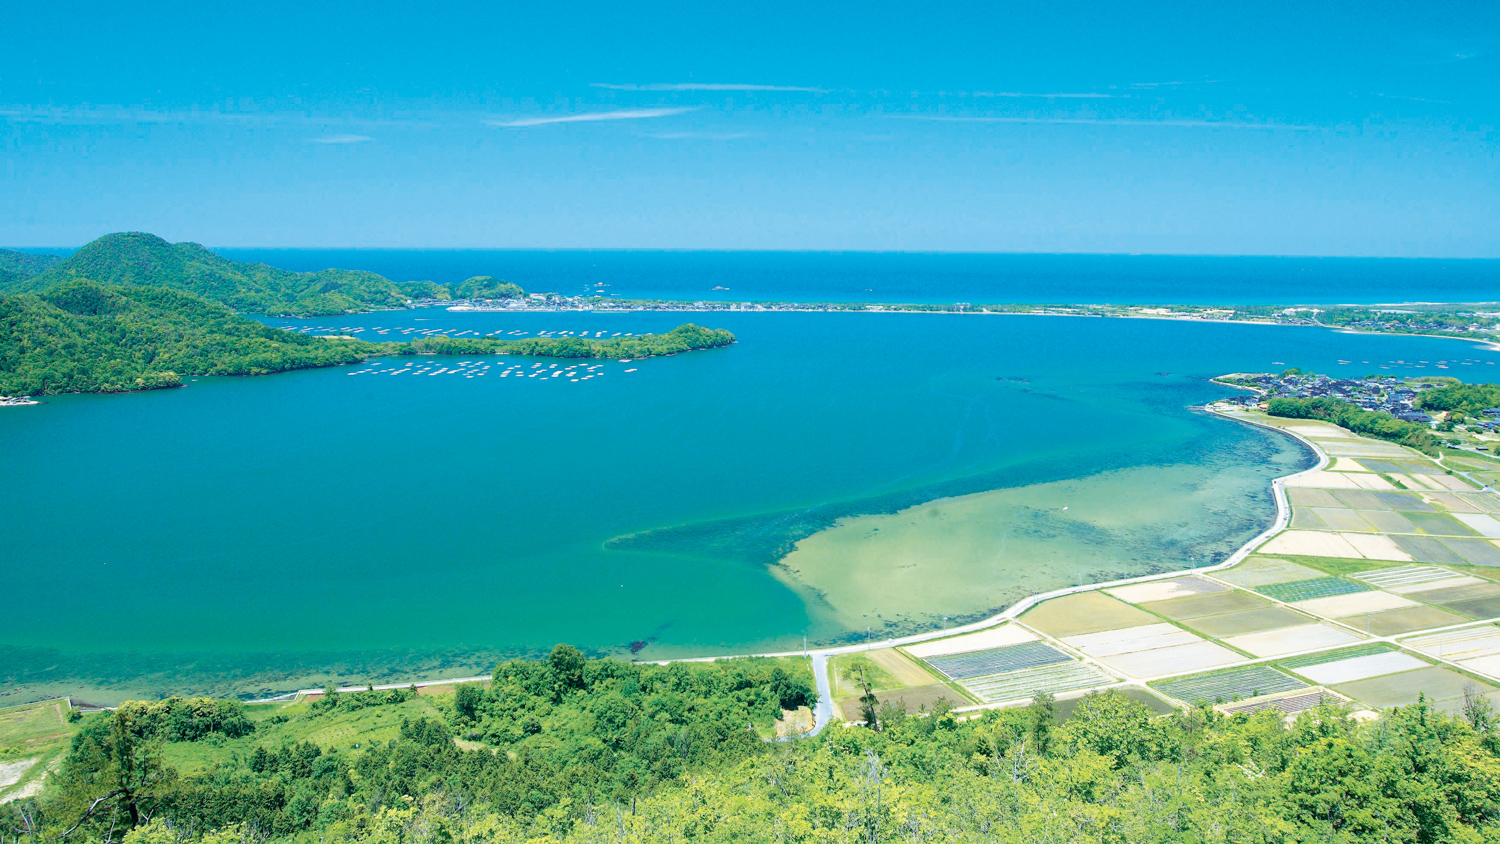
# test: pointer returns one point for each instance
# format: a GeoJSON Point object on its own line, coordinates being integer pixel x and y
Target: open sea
{"type": "Point", "coordinates": [254, 535]}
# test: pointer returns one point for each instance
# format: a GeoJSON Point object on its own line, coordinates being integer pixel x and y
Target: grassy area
{"type": "Point", "coordinates": [277, 724]}
{"type": "Point", "coordinates": [33, 738]}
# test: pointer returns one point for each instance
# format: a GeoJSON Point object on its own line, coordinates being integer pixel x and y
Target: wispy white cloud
{"type": "Point", "coordinates": [1018, 94]}
{"type": "Point", "coordinates": [590, 117]}
{"type": "Point", "coordinates": [705, 86]}
{"type": "Point", "coordinates": [1105, 121]}
{"type": "Point", "coordinates": [698, 136]}
{"type": "Point", "coordinates": [1411, 99]}
{"type": "Point", "coordinates": [342, 139]}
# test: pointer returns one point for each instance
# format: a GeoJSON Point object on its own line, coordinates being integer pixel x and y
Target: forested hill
{"type": "Point", "coordinates": [84, 337]}
{"type": "Point", "coordinates": [575, 751]}
{"type": "Point", "coordinates": [136, 258]}
{"type": "Point", "coordinates": [16, 266]}
{"type": "Point", "coordinates": [80, 336]}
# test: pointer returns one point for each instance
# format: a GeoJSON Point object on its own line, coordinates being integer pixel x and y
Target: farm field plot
{"type": "Point", "coordinates": [1360, 448]}
{"type": "Point", "coordinates": [1320, 587]}
{"type": "Point", "coordinates": [1402, 689]}
{"type": "Point", "coordinates": [1370, 649]}
{"type": "Point", "coordinates": [1261, 571]}
{"type": "Point", "coordinates": [1480, 523]}
{"type": "Point", "coordinates": [1085, 612]}
{"type": "Point", "coordinates": [1406, 502]}
{"type": "Point", "coordinates": [1387, 521]}
{"type": "Point", "coordinates": [1362, 603]}
{"type": "Point", "coordinates": [1129, 639]}
{"type": "Point", "coordinates": [994, 637]}
{"type": "Point", "coordinates": [1360, 668]}
{"type": "Point", "coordinates": [1341, 519]}
{"type": "Point", "coordinates": [1476, 552]}
{"type": "Point", "coordinates": [1410, 620]}
{"type": "Point", "coordinates": [1230, 685]}
{"type": "Point", "coordinates": [1376, 547]}
{"type": "Point", "coordinates": [997, 660]}
{"type": "Point", "coordinates": [1330, 480]}
{"type": "Point", "coordinates": [1162, 590]}
{"type": "Point", "coordinates": [1288, 703]}
{"type": "Point", "coordinates": [1459, 645]}
{"type": "Point", "coordinates": [1427, 549]}
{"type": "Point", "coordinates": [1050, 679]}
{"type": "Point", "coordinates": [1452, 502]}
{"type": "Point", "coordinates": [1310, 497]}
{"type": "Point", "coordinates": [1372, 464]}
{"type": "Point", "coordinates": [1481, 501]}
{"type": "Point", "coordinates": [1178, 659]}
{"type": "Point", "coordinates": [1477, 607]}
{"type": "Point", "coordinates": [1305, 518]}
{"type": "Point", "coordinates": [1462, 592]}
{"type": "Point", "coordinates": [1250, 621]}
{"type": "Point", "coordinates": [1292, 639]}
{"type": "Point", "coordinates": [1310, 543]}
{"type": "Point", "coordinates": [1404, 576]}
{"type": "Point", "coordinates": [912, 700]}
{"type": "Point", "coordinates": [1198, 606]}
{"type": "Point", "coordinates": [1446, 524]}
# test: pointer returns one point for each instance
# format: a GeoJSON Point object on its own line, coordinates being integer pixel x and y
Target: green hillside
{"type": "Point", "coordinates": [136, 258]}
{"type": "Point", "coordinates": [81, 336]}
{"type": "Point", "coordinates": [591, 751]}
{"type": "Point", "coordinates": [16, 266]}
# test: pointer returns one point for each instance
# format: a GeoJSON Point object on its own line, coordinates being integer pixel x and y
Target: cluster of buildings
{"type": "Point", "coordinates": [1386, 393]}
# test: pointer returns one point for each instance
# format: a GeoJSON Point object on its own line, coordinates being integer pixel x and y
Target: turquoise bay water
{"type": "Point", "coordinates": [254, 534]}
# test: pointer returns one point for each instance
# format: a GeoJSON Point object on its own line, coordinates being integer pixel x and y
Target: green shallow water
{"type": "Point", "coordinates": [251, 535]}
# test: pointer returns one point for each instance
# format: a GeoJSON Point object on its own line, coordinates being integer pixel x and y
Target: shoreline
{"type": "Point", "coordinates": [823, 713]}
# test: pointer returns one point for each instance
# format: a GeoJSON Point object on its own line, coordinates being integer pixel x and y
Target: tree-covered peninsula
{"type": "Point", "coordinates": [80, 336]}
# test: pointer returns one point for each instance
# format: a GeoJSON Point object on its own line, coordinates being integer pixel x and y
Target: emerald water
{"type": "Point", "coordinates": [246, 535]}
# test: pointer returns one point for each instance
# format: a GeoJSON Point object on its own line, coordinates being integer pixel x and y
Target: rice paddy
{"type": "Point", "coordinates": [997, 660]}
{"type": "Point", "coordinates": [1361, 668]}
{"type": "Point", "coordinates": [1262, 571]}
{"type": "Point", "coordinates": [1198, 606]}
{"type": "Point", "coordinates": [1303, 590]}
{"type": "Point", "coordinates": [1292, 639]}
{"type": "Point", "coordinates": [1287, 704]}
{"type": "Point", "coordinates": [1409, 619]}
{"type": "Point", "coordinates": [1229, 685]}
{"type": "Point", "coordinates": [1085, 612]}
{"type": "Point", "coordinates": [1251, 621]}
{"type": "Point", "coordinates": [1403, 576]}
{"type": "Point", "coordinates": [1046, 679]}
{"type": "Point", "coordinates": [994, 637]}
{"type": "Point", "coordinates": [1370, 649]}
{"type": "Point", "coordinates": [1402, 689]}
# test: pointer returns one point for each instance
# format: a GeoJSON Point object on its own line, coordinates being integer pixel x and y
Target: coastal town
{"type": "Point", "coordinates": [1470, 321]}
{"type": "Point", "coordinates": [1399, 397]}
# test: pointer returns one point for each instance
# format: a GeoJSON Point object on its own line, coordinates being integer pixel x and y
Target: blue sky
{"type": "Point", "coordinates": [1302, 128]}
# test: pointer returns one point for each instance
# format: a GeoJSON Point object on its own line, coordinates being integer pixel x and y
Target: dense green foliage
{"type": "Point", "coordinates": [1371, 423]}
{"type": "Point", "coordinates": [187, 719]}
{"type": "Point", "coordinates": [80, 336]}
{"type": "Point", "coordinates": [559, 733]}
{"type": "Point", "coordinates": [487, 287]}
{"type": "Point", "coordinates": [18, 266]}
{"type": "Point", "coordinates": [591, 751]}
{"type": "Point", "coordinates": [1466, 398]}
{"type": "Point", "coordinates": [683, 338]}
{"type": "Point", "coordinates": [135, 258]}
